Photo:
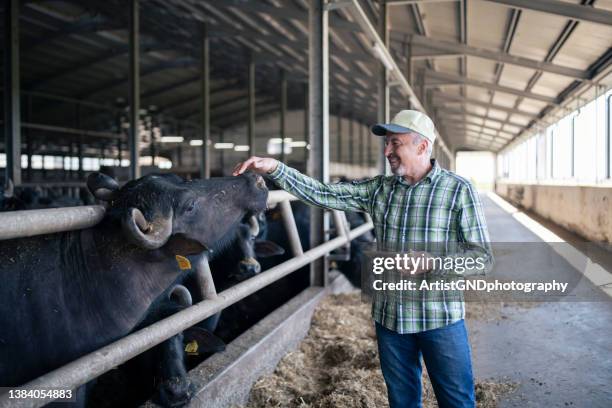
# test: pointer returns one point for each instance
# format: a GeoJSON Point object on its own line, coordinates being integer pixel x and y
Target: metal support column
{"type": "Point", "coordinates": [369, 149]}
{"type": "Point", "coordinates": [339, 136]}
{"type": "Point", "coordinates": [12, 114]}
{"type": "Point", "coordinates": [383, 87]}
{"type": "Point", "coordinates": [306, 122]}
{"type": "Point", "coordinates": [351, 143]}
{"type": "Point", "coordinates": [421, 83]}
{"type": "Point", "coordinates": [119, 151]}
{"type": "Point", "coordinates": [29, 139]}
{"type": "Point", "coordinates": [408, 53]}
{"type": "Point", "coordinates": [362, 137]}
{"type": "Point", "coordinates": [70, 155]}
{"type": "Point", "coordinates": [134, 83]}
{"type": "Point", "coordinates": [251, 121]}
{"type": "Point", "coordinates": [77, 120]}
{"type": "Point", "coordinates": [205, 83]}
{"type": "Point", "coordinates": [221, 155]}
{"type": "Point", "coordinates": [153, 149]}
{"type": "Point", "coordinates": [283, 113]}
{"type": "Point", "coordinates": [318, 163]}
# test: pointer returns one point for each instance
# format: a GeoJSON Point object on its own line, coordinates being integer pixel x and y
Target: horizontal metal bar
{"type": "Point", "coordinates": [72, 100]}
{"type": "Point", "coordinates": [407, 2]}
{"type": "Point", "coordinates": [54, 184]}
{"type": "Point", "coordinates": [92, 365]}
{"type": "Point", "coordinates": [276, 196]}
{"type": "Point", "coordinates": [18, 224]}
{"type": "Point", "coordinates": [62, 129]}
{"type": "Point", "coordinates": [453, 79]}
{"type": "Point", "coordinates": [285, 12]}
{"type": "Point", "coordinates": [338, 4]}
{"type": "Point", "coordinates": [561, 8]}
{"type": "Point", "coordinates": [449, 46]}
{"type": "Point", "coordinates": [463, 112]}
{"type": "Point", "coordinates": [459, 98]}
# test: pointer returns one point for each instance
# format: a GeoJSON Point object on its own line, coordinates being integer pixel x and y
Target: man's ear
{"type": "Point", "coordinates": [423, 146]}
{"type": "Point", "coordinates": [102, 187]}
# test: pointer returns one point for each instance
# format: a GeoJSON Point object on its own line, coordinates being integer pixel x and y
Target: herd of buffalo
{"type": "Point", "coordinates": [66, 294]}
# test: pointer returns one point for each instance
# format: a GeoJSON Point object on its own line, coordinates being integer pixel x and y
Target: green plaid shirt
{"type": "Point", "coordinates": [440, 209]}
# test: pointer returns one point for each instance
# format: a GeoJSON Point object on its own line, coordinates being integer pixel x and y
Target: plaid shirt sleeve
{"type": "Point", "coordinates": [354, 196]}
{"type": "Point", "coordinates": [473, 235]}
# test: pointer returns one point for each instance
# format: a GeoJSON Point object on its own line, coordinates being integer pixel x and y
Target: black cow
{"type": "Point", "coordinates": [67, 294]}
{"type": "Point", "coordinates": [8, 199]}
{"type": "Point", "coordinates": [31, 198]}
{"type": "Point", "coordinates": [242, 259]}
{"type": "Point", "coordinates": [301, 212]}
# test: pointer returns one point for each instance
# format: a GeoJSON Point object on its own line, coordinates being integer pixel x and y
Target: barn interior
{"type": "Point", "coordinates": [520, 93]}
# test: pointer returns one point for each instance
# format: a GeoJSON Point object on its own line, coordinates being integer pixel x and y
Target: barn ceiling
{"type": "Point", "coordinates": [488, 70]}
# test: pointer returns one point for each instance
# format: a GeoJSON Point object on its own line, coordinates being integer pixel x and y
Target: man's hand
{"type": "Point", "coordinates": [260, 165]}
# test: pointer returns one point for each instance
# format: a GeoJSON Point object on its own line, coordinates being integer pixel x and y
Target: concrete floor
{"type": "Point", "coordinates": [560, 352]}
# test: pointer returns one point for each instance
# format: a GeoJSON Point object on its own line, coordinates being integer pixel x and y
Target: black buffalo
{"type": "Point", "coordinates": [9, 200]}
{"type": "Point", "coordinates": [67, 294]}
{"type": "Point", "coordinates": [31, 198]}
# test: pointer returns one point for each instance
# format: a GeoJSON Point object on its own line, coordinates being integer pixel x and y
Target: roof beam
{"type": "Point", "coordinates": [177, 63]}
{"type": "Point", "coordinates": [87, 63]}
{"type": "Point", "coordinates": [83, 26]}
{"type": "Point", "coordinates": [553, 51]}
{"type": "Point", "coordinates": [286, 12]}
{"type": "Point", "coordinates": [452, 79]}
{"type": "Point", "coordinates": [198, 96]}
{"type": "Point", "coordinates": [170, 87]}
{"type": "Point", "coordinates": [475, 115]}
{"type": "Point", "coordinates": [404, 2]}
{"type": "Point", "coordinates": [465, 131]}
{"type": "Point", "coordinates": [457, 98]}
{"type": "Point", "coordinates": [502, 57]}
{"type": "Point", "coordinates": [242, 97]}
{"type": "Point", "coordinates": [467, 121]}
{"type": "Point", "coordinates": [240, 116]}
{"type": "Point", "coordinates": [561, 8]}
{"type": "Point", "coordinates": [191, 80]}
{"type": "Point", "coordinates": [424, 53]}
{"type": "Point", "coordinates": [300, 45]}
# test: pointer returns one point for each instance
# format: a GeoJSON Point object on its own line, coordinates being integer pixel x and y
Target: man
{"type": "Point", "coordinates": [420, 204]}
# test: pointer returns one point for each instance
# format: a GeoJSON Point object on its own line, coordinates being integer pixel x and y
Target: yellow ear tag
{"type": "Point", "coordinates": [183, 262]}
{"type": "Point", "coordinates": [191, 347]}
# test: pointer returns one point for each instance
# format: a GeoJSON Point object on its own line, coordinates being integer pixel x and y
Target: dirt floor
{"type": "Point", "coordinates": [337, 364]}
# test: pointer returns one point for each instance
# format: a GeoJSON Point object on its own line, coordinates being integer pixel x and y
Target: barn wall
{"type": "Point", "coordinates": [585, 210]}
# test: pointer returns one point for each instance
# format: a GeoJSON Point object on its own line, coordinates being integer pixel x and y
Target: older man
{"type": "Point", "coordinates": [421, 204]}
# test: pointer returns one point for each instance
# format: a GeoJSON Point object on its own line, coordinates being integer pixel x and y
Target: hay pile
{"type": "Point", "coordinates": [336, 365]}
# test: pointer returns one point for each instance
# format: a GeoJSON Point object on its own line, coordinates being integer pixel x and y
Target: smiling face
{"type": "Point", "coordinates": [404, 155]}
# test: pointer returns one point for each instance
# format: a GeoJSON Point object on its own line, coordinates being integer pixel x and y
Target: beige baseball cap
{"type": "Point", "coordinates": [408, 121]}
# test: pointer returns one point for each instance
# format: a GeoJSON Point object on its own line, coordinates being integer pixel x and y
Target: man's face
{"type": "Point", "coordinates": [401, 152]}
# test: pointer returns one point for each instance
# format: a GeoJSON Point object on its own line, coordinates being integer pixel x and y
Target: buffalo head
{"type": "Point", "coordinates": [157, 210]}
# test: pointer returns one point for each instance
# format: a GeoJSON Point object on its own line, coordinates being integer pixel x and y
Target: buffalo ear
{"type": "Point", "coordinates": [207, 342]}
{"type": "Point", "coordinates": [265, 249]}
{"type": "Point", "coordinates": [102, 187]}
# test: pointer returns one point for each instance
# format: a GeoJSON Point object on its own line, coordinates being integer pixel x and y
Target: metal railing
{"type": "Point", "coordinates": [92, 365]}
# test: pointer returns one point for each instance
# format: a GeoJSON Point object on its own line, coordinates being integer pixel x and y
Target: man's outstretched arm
{"type": "Point", "coordinates": [353, 196]}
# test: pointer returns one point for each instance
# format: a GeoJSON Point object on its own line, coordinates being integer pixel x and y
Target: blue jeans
{"type": "Point", "coordinates": [446, 353]}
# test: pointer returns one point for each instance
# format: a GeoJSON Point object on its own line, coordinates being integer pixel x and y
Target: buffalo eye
{"type": "Point", "coordinates": [190, 207]}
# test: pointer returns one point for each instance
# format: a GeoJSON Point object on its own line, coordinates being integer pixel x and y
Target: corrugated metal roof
{"type": "Point", "coordinates": [468, 50]}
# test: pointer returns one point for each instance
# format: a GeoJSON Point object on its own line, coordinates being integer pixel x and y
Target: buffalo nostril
{"type": "Point", "coordinates": [250, 266]}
